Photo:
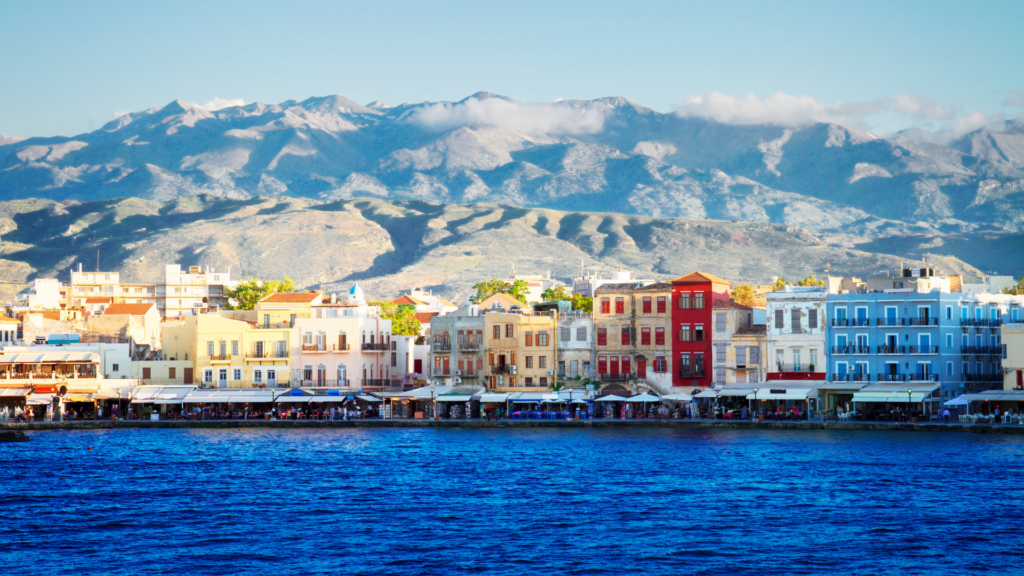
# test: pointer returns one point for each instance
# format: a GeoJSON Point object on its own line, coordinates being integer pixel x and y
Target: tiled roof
{"type": "Point", "coordinates": [447, 303]}
{"type": "Point", "coordinates": [699, 278]}
{"type": "Point", "coordinates": [7, 320]}
{"type": "Point", "coordinates": [656, 287]}
{"type": "Point", "coordinates": [755, 329]}
{"type": "Point", "coordinates": [620, 287]}
{"type": "Point", "coordinates": [424, 317]}
{"type": "Point", "coordinates": [99, 300]}
{"type": "Point", "coordinates": [292, 297]}
{"type": "Point", "coordinates": [132, 309]}
{"type": "Point", "coordinates": [730, 304]}
{"type": "Point", "coordinates": [406, 299]}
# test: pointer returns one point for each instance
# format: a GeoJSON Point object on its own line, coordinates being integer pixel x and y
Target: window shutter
{"type": "Point", "coordinates": [755, 354]}
{"type": "Point", "coordinates": [720, 321]}
{"type": "Point", "coordinates": [812, 318]}
{"type": "Point", "coordinates": [795, 320]}
{"type": "Point", "coordinates": [779, 319]}
{"type": "Point", "coordinates": [741, 355]}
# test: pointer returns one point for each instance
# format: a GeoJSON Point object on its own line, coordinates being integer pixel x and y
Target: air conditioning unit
{"type": "Point", "coordinates": [501, 379]}
{"type": "Point", "coordinates": [512, 369]}
{"type": "Point", "coordinates": [458, 380]}
{"type": "Point", "coordinates": [458, 372]}
{"type": "Point", "coordinates": [551, 372]}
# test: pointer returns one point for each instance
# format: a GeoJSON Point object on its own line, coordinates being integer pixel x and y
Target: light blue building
{"type": "Point", "coordinates": [949, 339]}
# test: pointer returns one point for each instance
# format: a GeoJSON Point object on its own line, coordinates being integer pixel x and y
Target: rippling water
{"type": "Point", "coordinates": [567, 501]}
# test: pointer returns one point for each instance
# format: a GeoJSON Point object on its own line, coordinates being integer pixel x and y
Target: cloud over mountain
{"type": "Point", "coordinates": [534, 119]}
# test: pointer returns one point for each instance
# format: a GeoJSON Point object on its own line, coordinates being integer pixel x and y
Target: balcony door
{"type": "Point", "coordinates": [222, 378]}
{"type": "Point", "coordinates": [641, 367]}
{"type": "Point", "coordinates": [271, 377]}
{"type": "Point", "coordinates": [890, 316]}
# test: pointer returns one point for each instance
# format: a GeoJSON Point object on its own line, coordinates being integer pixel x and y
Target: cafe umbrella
{"type": "Point", "coordinates": [644, 398]}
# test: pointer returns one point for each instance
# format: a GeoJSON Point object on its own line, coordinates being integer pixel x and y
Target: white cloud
{"type": "Point", "coordinates": [218, 103]}
{"type": "Point", "coordinates": [1014, 99]}
{"type": "Point", "coordinates": [523, 118]}
{"type": "Point", "coordinates": [120, 113]}
{"type": "Point", "coordinates": [782, 109]}
{"type": "Point", "coordinates": [922, 107]}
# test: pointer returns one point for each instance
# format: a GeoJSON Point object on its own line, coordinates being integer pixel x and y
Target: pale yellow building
{"type": "Point", "coordinates": [1013, 364]}
{"type": "Point", "coordinates": [521, 350]}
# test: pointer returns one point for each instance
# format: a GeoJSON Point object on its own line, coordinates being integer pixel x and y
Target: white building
{"type": "Point", "coordinates": [115, 361]}
{"type": "Point", "coordinates": [585, 285]}
{"type": "Point", "coordinates": [425, 301]}
{"type": "Point", "coordinates": [409, 361]}
{"type": "Point", "coordinates": [346, 344]}
{"type": "Point", "coordinates": [990, 285]}
{"type": "Point", "coordinates": [575, 345]}
{"type": "Point", "coordinates": [184, 293]}
{"type": "Point", "coordinates": [43, 294]}
{"type": "Point", "coordinates": [796, 333]}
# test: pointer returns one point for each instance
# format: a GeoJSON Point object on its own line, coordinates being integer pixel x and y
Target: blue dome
{"type": "Point", "coordinates": [355, 289]}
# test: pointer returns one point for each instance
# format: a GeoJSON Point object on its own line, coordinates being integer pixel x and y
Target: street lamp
{"type": "Point", "coordinates": [910, 392]}
{"type": "Point", "coordinates": [433, 401]}
{"type": "Point", "coordinates": [755, 400]}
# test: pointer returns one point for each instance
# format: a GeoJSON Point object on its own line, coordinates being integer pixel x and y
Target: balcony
{"type": "Point", "coordinates": [840, 321]}
{"type": "Point", "coordinates": [691, 374]}
{"type": "Point", "coordinates": [915, 377]}
{"type": "Point", "coordinates": [622, 377]}
{"type": "Point", "coordinates": [851, 377]}
{"type": "Point", "coordinates": [326, 383]}
{"type": "Point", "coordinates": [783, 367]}
{"type": "Point", "coordinates": [469, 347]}
{"type": "Point", "coordinates": [860, 322]}
{"type": "Point", "coordinates": [984, 377]}
{"type": "Point", "coordinates": [314, 348]}
{"type": "Point", "coordinates": [374, 384]}
{"type": "Point", "coordinates": [439, 347]}
{"type": "Point", "coordinates": [922, 322]}
{"type": "Point", "coordinates": [503, 369]}
{"type": "Point", "coordinates": [891, 322]}
{"type": "Point", "coordinates": [272, 355]}
{"type": "Point", "coordinates": [982, 350]}
{"type": "Point", "coordinates": [376, 347]}
{"type": "Point", "coordinates": [220, 358]}
{"type": "Point", "coordinates": [851, 349]}
{"type": "Point", "coordinates": [981, 322]}
{"type": "Point", "coordinates": [346, 347]}
{"type": "Point", "coordinates": [924, 349]}
{"type": "Point", "coordinates": [884, 349]}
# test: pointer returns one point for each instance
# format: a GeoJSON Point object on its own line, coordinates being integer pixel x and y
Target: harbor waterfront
{"type": "Point", "coordinates": [433, 500]}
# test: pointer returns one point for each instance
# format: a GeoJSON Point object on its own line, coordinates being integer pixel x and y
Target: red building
{"type": "Point", "coordinates": [694, 295]}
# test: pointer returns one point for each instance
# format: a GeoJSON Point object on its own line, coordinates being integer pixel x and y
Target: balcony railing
{"type": "Point", "coordinates": [851, 377]}
{"type": "Point", "coordinates": [891, 322]}
{"type": "Point", "coordinates": [914, 377]}
{"type": "Point", "coordinates": [783, 367]}
{"type": "Point", "coordinates": [621, 377]}
{"type": "Point", "coordinates": [326, 383]}
{"type": "Point", "coordinates": [981, 322]}
{"type": "Point", "coordinates": [886, 349]}
{"type": "Point", "coordinates": [376, 346]}
{"type": "Point", "coordinates": [840, 321]}
{"type": "Point", "coordinates": [984, 377]}
{"type": "Point", "coordinates": [851, 349]}
{"type": "Point", "coordinates": [439, 347]}
{"type": "Point", "coordinates": [375, 384]}
{"type": "Point", "coordinates": [502, 369]}
{"type": "Point", "coordinates": [923, 321]}
{"type": "Point", "coordinates": [315, 348]}
{"type": "Point", "coordinates": [469, 346]}
{"type": "Point", "coordinates": [860, 322]}
{"type": "Point", "coordinates": [924, 349]}
{"type": "Point", "coordinates": [267, 354]}
{"type": "Point", "coordinates": [692, 374]}
{"type": "Point", "coordinates": [220, 358]}
{"type": "Point", "coordinates": [162, 381]}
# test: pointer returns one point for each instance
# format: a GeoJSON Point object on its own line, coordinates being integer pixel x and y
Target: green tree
{"type": "Point", "coordinates": [403, 317]}
{"type": "Point", "coordinates": [743, 294]}
{"type": "Point", "coordinates": [779, 283]}
{"type": "Point", "coordinates": [484, 290]}
{"type": "Point", "coordinates": [1017, 289]}
{"type": "Point", "coordinates": [554, 293]}
{"type": "Point", "coordinates": [811, 281]}
{"type": "Point", "coordinates": [249, 291]}
{"type": "Point", "coordinates": [581, 302]}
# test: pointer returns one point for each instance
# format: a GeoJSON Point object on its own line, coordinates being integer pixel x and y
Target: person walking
{"type": "Point", "coordinates": [945, 416]}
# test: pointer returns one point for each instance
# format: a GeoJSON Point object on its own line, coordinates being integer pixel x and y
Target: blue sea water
{"type": "Point", "coordinates": [511, 501]}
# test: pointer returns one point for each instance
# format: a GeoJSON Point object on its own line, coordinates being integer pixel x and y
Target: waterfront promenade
{"type": "Point", "coordinates": [480, 423]}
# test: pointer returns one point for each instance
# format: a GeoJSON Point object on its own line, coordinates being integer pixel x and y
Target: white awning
{"type": "Point", "coordinates": [611, 398]}
{"type": "Point", "coordinates": [493, 397]}
{"type": "Point", "coordinates": [48, 357]}
{"type": "Point", "coordinates": [38, 399]}
{"type": "Point", "coordinates": [782, 394]}
{"type": "Point", "coordinates": [896, 393]}
{"type": "Point", "coordinates": [9, 392]}
{"type": "Point", "coordinates": [645, 397]}
{"type": "Point", "coordinates": [455, 398]}
{"type": "Point", "coordinates": [678, 397]}
{"type": "Point", "coordinates": [423, 393]}
{"type": "Point", "coordinates": [211, 396]}
{"type": "Point", "coordinates": [706, 394]}
{"type": "Point", "coordinates": [369, 399]}
{"type": "Point", "coordinates": [288, 398]}
{"type": "Point", "coordinates": [735, 392]}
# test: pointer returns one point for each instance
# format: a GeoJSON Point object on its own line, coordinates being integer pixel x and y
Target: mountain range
{"type": "Point", "coordinates": [608, 154]}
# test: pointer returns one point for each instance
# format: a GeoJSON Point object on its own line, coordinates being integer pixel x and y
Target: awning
{"type": "Point", "coordinates": [611, 398]}
{"type": "Point", "coordinates": [896, 394]}
{"type": "Point", "coordinates": [210, 396]}
{"type": "Point", "coordinates": [678, 397]}
{"type": "Point", "coordinates": [706, 394]}
{"type": "Point", "coordinates": [645, 397]}
{"type": "Point", "coordinates": [9, 392]}
{"type": "Point", "coordinates": [38, 399]}
{"type": "Point", "coordinates": [735, 392]}
{"type": "Point", "coordinates": [49, 357]}
{"type": "Point", "coordinates": [287, 398]}
{"type": "Point", "coordinates": [455, 398]}
{"type": "Point", "coordinates": [782, 394]}
{"type": "Point", "coordinates": [842, 386]}
{"type": "Point", "coordinates": [369, 399]}
{"type": "Point", "coordinates": [493, 397]}
{"type": "Point", "coordinates": [419, 393]}
{"type": "Point", "coordinates": [79, 398]}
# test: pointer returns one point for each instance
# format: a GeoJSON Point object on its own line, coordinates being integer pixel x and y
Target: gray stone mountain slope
{"type": "Point", "coordinates": [608, 154]}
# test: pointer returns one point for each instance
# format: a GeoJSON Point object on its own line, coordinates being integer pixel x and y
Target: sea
{"type": "Point", "coordinates": [419, 501]}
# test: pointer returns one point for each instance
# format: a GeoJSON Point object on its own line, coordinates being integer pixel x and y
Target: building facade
{"type": "Point", "coordinates": [633, 325]}
{"type": "Point", "coordinates": [521, 350]}
{"type": "Point", "coordinates": [738, 344]}
{"type": "Point", "coordinates": [694, 295]}
{"type": "Point", "coordinates": [575, 345]}
{"type": "Point", "coordinates": [796, 333]}
{"type": "Point", "coordinates": [457, 347]}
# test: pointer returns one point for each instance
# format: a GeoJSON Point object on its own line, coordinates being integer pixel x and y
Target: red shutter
{"type": "Point", "coordinates": [602, 364]}
{"type": "Point", "coordinates": [625, 336]}
{"type": "Point", "coordinates": [479, 364]}
{"type": "Point", "coordinates": [641, 368]}
{"type": "Point", "coordinates": [625, 365]}
{"type": "Point", "coordinates": [661, 304]}
{"type": "Point", "coordinates": [446, 366]}
{"type": "Point", "coordinates": [620, 305]}
{"type": "Point", "coordinates": [645, 336]}
{"type": "Point", "coordinates": [606, 306]}
{"type": "Point", "coordinates": [529, 339]}
{"type": "Point", "coordinates": [647, 304]}
{"type": "Point", "coordinates": [659, 336]}
{"type": "Point", "coordinates": [615, 364]}
{"type": "Point", "coordinates": [602, 337]}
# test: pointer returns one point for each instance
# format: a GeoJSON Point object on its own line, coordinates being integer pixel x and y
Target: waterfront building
{"type": "Point", "coordinates": [738, 342]}
{"type": "Point", "coordinates": [587, 284]}
{"type": "Point", "coordinates": [1013, 355]}
{"type": "Point", "coordinates": [694, 295]}
{"type": "Point", "coordinates": [520, 349]}
{"type": "Point", "coordinates": [9, 331]}
{"type": "Point", "coordinates": [457, 347]}
{"type": "Point", "coordinates": [410, 361]}
{"type": "Point", "coordinates": [575, 345]}
{"type": "Point", "coordinates": [989, 285]}
{"type": "Point", "coordinates": [633, 325]}
{"type": "Point", "coordinates": [796, 333]}
{"type": "Point", "coordinates": [341, 343]}
{"type": "Point", "coordinates": [917, 279]}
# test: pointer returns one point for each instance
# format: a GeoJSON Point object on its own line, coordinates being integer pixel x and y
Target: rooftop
{"type": "Point", "coordinates": [99, 300]}
{"type": "Point", "coordinates": [730, 304]}
{"type": "Point", "coordinates": [406, 299]}
{"type": "Point", "coordinates": [700, 278]}
{"type": "Point", "coordinates": [131, 309]}
{"type": "Point", "coordinates": [291, 297]}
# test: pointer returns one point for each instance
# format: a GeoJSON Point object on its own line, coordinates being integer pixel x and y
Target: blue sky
{"type": "Point", "coordinates": [877, 65]}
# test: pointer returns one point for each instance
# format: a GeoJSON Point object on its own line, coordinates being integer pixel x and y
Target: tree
{"type": "Point", "coordinates": [582, 303]}
{"type": "Point", "coordinates": [779, 283]}
{"type": "Point", "coordinates": [249, 291]}
{"type": "Point", "coordinates": [1017, 289]}
{"type": "Point", "coordinates": [743, 294]}
{"type": "Point", "coordinates": [403, 317]}
{"type": "Point", "coordinates": [554, 294]}
{"type": "Point", "coordinates": [484, 290]}
{"type": "Point", "coordinates": [811, 281]}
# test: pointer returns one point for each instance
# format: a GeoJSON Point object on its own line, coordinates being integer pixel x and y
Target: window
{"type": "Point", "coordinates": [780, 320]}
{"type": "Point", "coordinates": [720, 321]}
{"type": "Point", "coordinates": [949, 312]}
{"type": "Point", "coordinates": [606, 306]}
{"type": "Point", "coordinates": [529, 381]}
{"type": "Point", "coordinates": [684, 300]}
{"type": "Point", "coordinates": [698, 300]}
{"type": "Point", "coordinates": [209, 348]}
{"type": "Point", "coordinates": [236, 374]}
{"type": "Point", "coordinates": [542, 361]}
{"type": "Point", "coordinates": [720, 350]}
{"type": "Point", "coordinates": [529, 338]}
{"type": "Point", "coordinates": [234, 348]}
{"type": "Point", "coordinates": [647, 304]}
{"type": "Point", "coordinates": [795, 321]}
{"type": "Point", "coordinates": [949, 367]}
{"type": "Point", "coordinates": [508, 331]}
{"type": "Point", "coordinates": [620, 305]}
{"type": "Point", "coordinates": [564, 334]}
{"type": "Point", "coordinates": [543, 380]}
{"type": "Point", "coordinates": [542, 338]}
{"type": "Point", "coordinates": [685, 334]}
{"type": "Point", "coordinates": [602, 336]}
{"type": "Point", "coordinates": [949, 340]}
{"type": "Point", "coordinates": [698, 333]}
{"type": "Point", "coordinates": [645, 336]}
{"type": "Point", "coordinates": [257, 376]}
{"type": "Point", "coordinates": [659, 364]}
{"type": "Point", "coordinates": [208, 375]}
{"type": "Point", "coordinates": [581, 334]}
{"type": "Point", "coordinates": [602, 364]}
{"type": "Point", "coordinates": [659, 336]}
{"type": "Point", "coordinates": [626, 369]}
{"type": "Point", "coordinates": [625, 337]}
{"type": "Point", "coordinates": [116, 368]}
{"type": "Point", "coordinates": [812, 318]}
{"type": "Point", "coordinates": [496, 331]}
{"type": "Point", "coordinates": [661, 305]}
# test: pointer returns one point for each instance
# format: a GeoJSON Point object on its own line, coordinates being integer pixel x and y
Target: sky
{"type": "Point", "coordinates": [69, 67]}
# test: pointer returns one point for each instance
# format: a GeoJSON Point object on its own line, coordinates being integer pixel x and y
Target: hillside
{"type": "Point", "coordinates": [608, 154]}
{"type": "Point", "coordinates": [390, 246]}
